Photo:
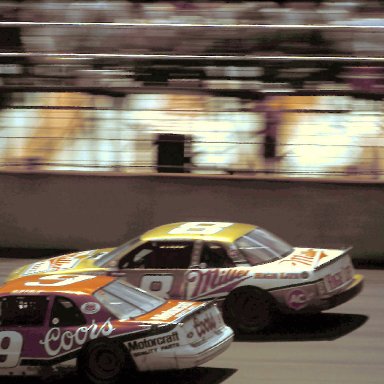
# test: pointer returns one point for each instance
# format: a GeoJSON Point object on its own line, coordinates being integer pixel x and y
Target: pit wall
{"type": "Point", "coordinates": [86, 211]}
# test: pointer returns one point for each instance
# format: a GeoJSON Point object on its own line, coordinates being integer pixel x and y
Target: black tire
{"type": "Point", "coordinates": [103, 362]}
{"type": "Point", "coordinates": [248, 310]}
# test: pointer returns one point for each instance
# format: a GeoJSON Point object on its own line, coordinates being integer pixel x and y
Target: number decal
{"type": "Point", "coordinates": [11, 343]}
{"type": "Point", "coordinates": [58, 280]}
{"type": "Point", "coordinates": [159, 285]}
{"type": "Point", "coordinates": [199, 228]}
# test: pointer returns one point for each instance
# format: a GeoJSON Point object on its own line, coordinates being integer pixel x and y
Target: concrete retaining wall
{"type": "Point", "coordinates": [78, 211]}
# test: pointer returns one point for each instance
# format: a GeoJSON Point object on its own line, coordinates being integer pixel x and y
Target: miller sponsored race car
{"type": "Point", "coordinates": [252, 274]}
{"type": "Point", "coordinates": [105, 326]}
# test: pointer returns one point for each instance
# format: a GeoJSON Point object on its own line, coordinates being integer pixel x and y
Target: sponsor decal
{"type": "Point", "coordinates": [298, 299]}
{"type": "Point", "coordinates": [90, 308]}
{"type": "Point", "coordinates": [150, 345]}
{"type": "Point", "coordinates": [155, 286]}
{"type": "Point", "coordinates": [57, 340]}
{"type": "Point", "coordinates": [288, 275]}
{"type": "Point", "coordinates": [336, 280]}
{"type": "Point", "coordinates": [307, 257]}
{"type": "Point", "coordinates": [205, 325]}
{"type": "Point", "coordinates": [215, 280]}
{"type": "Point", "coordinates": [51, 265]}
{"type": "Point", "coordinates": [161, 284]}
{"type": "Point", "coordinates": [176, 310]}
{"type": "Point", "coordinates": [190, 335]}
{"type": "Point", "coordinates": [25, 291]}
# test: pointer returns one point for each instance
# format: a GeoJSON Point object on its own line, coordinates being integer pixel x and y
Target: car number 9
{"type": "Point", "coordinates": [11, 343]}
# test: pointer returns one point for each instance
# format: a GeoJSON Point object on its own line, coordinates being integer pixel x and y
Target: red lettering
{"type": "Point", "coordinates": [208, 280]}
{"type": "Point", "coordinates": [205, 325]}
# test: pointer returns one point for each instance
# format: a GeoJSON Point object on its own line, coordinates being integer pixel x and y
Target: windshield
{"type": "Point", "coordinates": [116, 252]}
{"type": "Point", "coordinates": [260, 246]}
{"type": "Point", "coordinates": [125, 301]}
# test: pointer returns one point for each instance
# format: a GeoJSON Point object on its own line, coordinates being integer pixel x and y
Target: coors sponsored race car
{"type": "Point", "coordinates": [253, 274]}
{"type": "Point", "coordinates": [108, 326]}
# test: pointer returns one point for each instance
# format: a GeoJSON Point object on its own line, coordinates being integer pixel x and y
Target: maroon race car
{"type": "Point", "coordinates": [107, 326]}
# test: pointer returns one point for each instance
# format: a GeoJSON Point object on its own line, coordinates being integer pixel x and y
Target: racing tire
{"type": "Point", "coordinates": [103, 362]}
{"type": "Point", "coordinates": [248, 310]}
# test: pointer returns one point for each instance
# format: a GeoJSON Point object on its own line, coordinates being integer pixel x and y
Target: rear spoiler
{"type": "Point", "coordinates": [204, 305]}
{"type": "Point", "coordinates": [342, 254]}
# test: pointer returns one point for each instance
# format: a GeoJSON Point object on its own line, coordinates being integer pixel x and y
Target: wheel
{"type": "Point", "coordinates": [102, 362]}
{"type": "Point", "coordinates": [248, 310]}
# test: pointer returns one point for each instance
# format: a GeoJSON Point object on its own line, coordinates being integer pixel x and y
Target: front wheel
{"type": "Point", "coordinates": [102, 362]}
{"type": "Point", "coordinates": [248, 310]}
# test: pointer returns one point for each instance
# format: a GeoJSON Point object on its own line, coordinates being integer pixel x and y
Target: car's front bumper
{"type": "Point", "coordinates": [312, 302]}
{"type": "Point", "coordinates": [353, 289]}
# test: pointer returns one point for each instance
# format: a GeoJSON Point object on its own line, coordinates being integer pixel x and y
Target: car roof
{"type": "Point", "coordinates": [45, 283]}
{"type": "Point", "coordinates": [223, 231]}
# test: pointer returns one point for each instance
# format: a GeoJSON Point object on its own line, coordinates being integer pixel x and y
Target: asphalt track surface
{"type": "Point", "coordinates": [344, 345]}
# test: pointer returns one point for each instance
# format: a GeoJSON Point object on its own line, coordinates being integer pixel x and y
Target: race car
{"type": "Point", "coordinates": [109, 327]}
{"type": "Point", "coordinates": [252, 274]}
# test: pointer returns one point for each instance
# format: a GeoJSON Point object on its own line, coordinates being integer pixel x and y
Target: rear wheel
{"type": "Point", "coordinates": [248, 310]}
{"type": "Point", "coordinates": [102, 362]}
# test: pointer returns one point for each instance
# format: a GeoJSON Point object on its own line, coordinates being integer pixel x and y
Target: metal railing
{"type": "Point", "coordinates": [317, 136]}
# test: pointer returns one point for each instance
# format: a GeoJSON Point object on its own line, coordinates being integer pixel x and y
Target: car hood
{"type": "Point", "coordinates": [77, 261]}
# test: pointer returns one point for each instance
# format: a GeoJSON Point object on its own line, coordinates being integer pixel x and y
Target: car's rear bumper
{"type": "Point", "coordinates": [187, 356]}
{"type": "Point", "coordinates": [206, 354]}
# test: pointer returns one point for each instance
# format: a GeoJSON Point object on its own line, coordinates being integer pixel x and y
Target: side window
{"type": "Point", "coordinates": [174, 255]}
{"type": "Point", "coordinates": [65, 313]}
{"type": "Point", "coordinates": [137, 257]}
{"type": "Point", "coordinates": [237, 257]}
{"type": "Point", "coordinates": [215, 256]}
{"type": "Point", "coordinates": [160, 255]}
{"type": "Point", "coordinates": [23, 310]}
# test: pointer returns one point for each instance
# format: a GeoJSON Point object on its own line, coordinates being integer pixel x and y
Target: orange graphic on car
{"type": "Point", "coordinates": [307, 257]}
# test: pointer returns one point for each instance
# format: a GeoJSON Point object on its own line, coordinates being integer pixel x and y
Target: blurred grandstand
{"type": "Point", "coordinates": [270, 87]}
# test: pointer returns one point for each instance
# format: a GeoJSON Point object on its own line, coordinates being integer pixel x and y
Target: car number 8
{"type": "Point", "coordinates": [200, 228]}
{"type": "Point", "coordinates": [11, 343]}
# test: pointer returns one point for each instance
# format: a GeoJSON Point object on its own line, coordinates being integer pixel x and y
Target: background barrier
{"type": "Point", "coordinates": [77, 211]}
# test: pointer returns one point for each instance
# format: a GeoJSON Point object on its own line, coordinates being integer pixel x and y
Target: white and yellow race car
{"type": "Point", "coordinates": [251, 273]}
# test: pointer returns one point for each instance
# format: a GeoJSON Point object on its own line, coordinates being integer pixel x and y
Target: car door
{"type": "Point", "coordinates": [215, 275]}
{"type": "Point", "coordinates": [160, 267]}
